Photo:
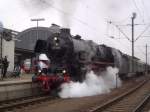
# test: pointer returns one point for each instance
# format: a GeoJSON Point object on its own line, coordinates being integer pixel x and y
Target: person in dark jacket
{"type": "Point", "coordinates": [5, 65]}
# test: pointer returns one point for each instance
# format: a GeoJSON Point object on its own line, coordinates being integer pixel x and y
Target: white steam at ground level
{"type": "Point", "coordinates": [92, 85]}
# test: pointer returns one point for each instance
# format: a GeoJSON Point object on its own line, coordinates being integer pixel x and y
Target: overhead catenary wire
{"type": "Point", "coordinates": [122, 44]}
{"type": "Point", "coordinates": [120, 30]}
{"type": "Point", "coordinates": [74, 18]}
{"type": "Point", "coordinates": [123, 20]}
{"type": "Point", "coordinates": [142, 1]}
{"type": "Point", "coordinates": [142, 32]}
{"type": "Point", "coordinates": [138, 10]}
{"type": "Point", "coordinates": [142, 10]}
{"type": "Point", "coordinates": [126, 35]}
{"type": "Point", "coordinates": [140, 50]}
{"type": "Point", "coordinates": [139, 46]}
{"type": "Point", "coordinates": [117, 26]}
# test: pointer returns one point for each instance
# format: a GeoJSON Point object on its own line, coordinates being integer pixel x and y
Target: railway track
{"type": "Point", "coordinates": [144, 106]}
{"type": "Point", "coordinates": [12, 105]}
{"type": "Point", "coordinates": [131, 101]}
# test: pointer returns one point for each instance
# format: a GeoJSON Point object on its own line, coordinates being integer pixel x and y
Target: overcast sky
{"type": "Point", "coordinates": [87, 18]}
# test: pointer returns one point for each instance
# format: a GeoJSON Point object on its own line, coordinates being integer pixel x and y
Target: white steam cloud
{"type": "Point", "coordinates": [92, 85]}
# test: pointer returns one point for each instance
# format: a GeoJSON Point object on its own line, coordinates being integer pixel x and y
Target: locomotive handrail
{"type": "Point", "coordinates": [95, 62]}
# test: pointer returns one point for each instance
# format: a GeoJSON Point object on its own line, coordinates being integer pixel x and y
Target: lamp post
{"type": "Point", "coordinates": [37, 20]}
{"type": "Point", "coordinates": [132, 18]}
{"type": "Point", "coordinates": [146, 60]}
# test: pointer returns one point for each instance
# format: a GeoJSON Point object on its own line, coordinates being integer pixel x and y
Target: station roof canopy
{"type": "Point", "coordinates": [27, 38]}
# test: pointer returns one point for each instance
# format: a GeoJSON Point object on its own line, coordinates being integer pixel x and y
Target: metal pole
{"type": "Point", "coordinates": [146, 60]}
{"type": "Point", "coordinates": [1, 55]}
{"type": "Point", "coordinates": [133, 17]}
{"type": "Point", "coordinates": [1, 46]}
{"type": "Point", "coordinates": [116, 80]}
{"type": "Point", "coordinates": [37, 23]}
{"type": "Point", "coordinates": [37, 20]}
{"type": "Point", "coordinates": [37, 31]}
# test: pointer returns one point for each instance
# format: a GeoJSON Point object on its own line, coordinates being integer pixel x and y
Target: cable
{"type": "Point", "coordinates": [75, 18]}
{"type": "Point", "coordinates": [142, 33]}
{"type": "Point", "coordinates": [107, 29]}
{"type": "Point", "coordinates": [123, 20]}
{"type": "Point", "coordinates": [142, 10]}
{"type": "Point", "coordinates": [141, 51]}
{"type": "Point", "coordinates": [122, 44]}
{"type": "Point", "coordinates": [138, 10]}
{"type": "Point", "coordinates": [142, 1]}
{"type": "Point", "coordinates": [123, 33]}
{"type": "Point", "coordinates": [125, 46]}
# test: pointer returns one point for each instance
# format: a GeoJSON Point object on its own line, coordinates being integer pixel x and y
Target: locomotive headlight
{"type": "Point", "coordinates": [56, 41]}
{"type": "Point", "coordinates": [55, 38]}
{"type": "Point", "coordinates": [56, 44]}
{"type": "Point", "coordinates": [64, 71]}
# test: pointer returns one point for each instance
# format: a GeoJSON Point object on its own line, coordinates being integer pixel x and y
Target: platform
{"type": "Point", "coordinates": [18, 87]}
{"type": "Point", "coordinates": [12, 80]}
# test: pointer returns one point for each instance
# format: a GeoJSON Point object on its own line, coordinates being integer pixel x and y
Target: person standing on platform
{"type": "Point", "coordinates": [17, 70]}
{"type": "Point", "coordinates": [5, 65]}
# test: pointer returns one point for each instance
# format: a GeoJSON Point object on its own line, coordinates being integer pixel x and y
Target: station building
{"type": "Point", "coordinates": [24, 47]}
{"type": "Point", "coordinates": [19, 46]}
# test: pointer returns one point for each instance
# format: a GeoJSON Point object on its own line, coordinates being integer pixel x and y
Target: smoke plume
{"type": "Point", "coordinates": [92, 85]}
{"type": "Point", "coordinates": [65, 8]}
{"type": "Point", "coordinates": [69, 8]}
{"type": "Point", "coordinates": [36, 6]}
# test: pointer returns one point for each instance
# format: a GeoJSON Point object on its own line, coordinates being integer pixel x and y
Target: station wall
{"type": "Point", "coordinates": [8, 49]}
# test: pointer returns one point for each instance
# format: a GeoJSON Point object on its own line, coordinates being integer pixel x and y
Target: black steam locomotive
{"type": "Point", "coordinates": [71, 57]}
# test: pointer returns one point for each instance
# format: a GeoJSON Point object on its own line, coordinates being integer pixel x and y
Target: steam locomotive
{"type": "Point", "coordinates": [69, 58]}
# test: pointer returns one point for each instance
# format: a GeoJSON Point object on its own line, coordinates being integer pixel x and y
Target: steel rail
{"type": "Point", "coordinates": [18, 103]}
{"type": "Point", "coordinates": [110, 102]}
{"type": "Point", "coordinates": [142, 104]}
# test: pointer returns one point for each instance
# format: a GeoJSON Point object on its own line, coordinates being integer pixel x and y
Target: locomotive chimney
{"type": "Point", "coordinates": [65, 31]}
{"type": "Point", "coordinates": [77, 37]}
